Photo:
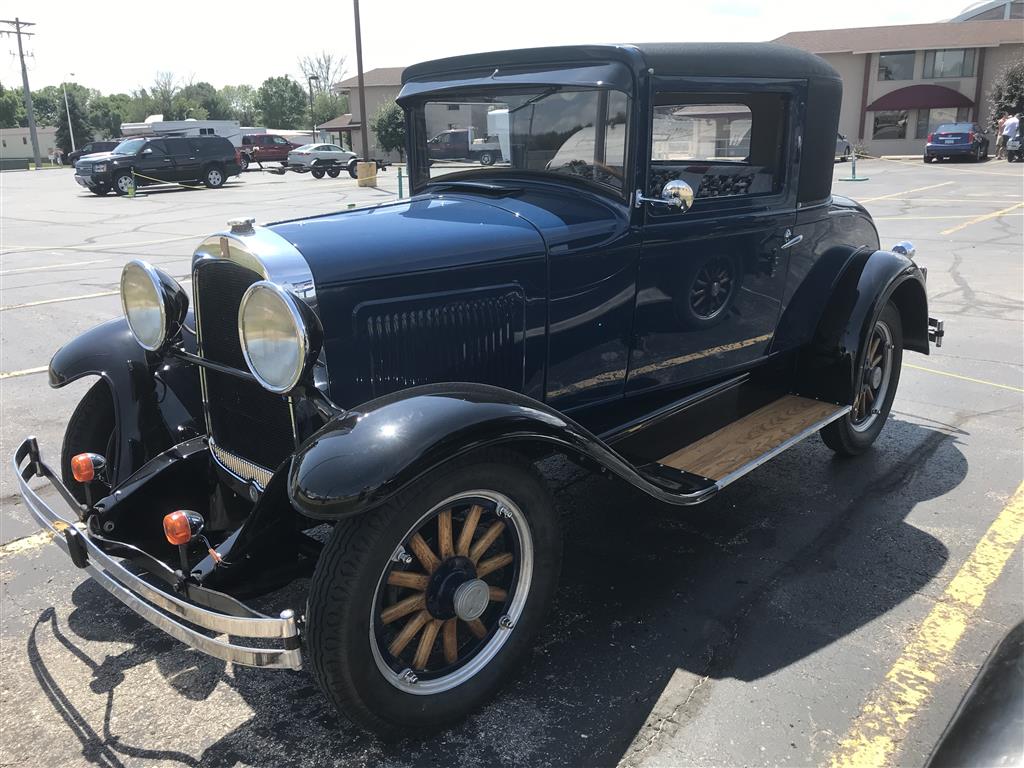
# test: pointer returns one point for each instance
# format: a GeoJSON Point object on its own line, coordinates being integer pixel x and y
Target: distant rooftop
{"type": "Point", "coordinates": [374, 77]}
{"type": "Point", "coordinates": [907, 37]}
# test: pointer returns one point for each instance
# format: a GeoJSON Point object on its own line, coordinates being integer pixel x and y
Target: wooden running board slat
{"type": "Point", "coordinates": [738, 444]}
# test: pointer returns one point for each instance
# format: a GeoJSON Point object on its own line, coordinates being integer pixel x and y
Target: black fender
{"type": "Point", "coordinates": [157, 400]}
{"type": "Point", "coordinates": [363, 457]}
{"type": "Point", "coordinates": [827, 365]}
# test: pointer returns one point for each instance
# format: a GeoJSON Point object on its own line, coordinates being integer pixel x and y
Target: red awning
{"type": "Point", "coordinates": [920, 97]}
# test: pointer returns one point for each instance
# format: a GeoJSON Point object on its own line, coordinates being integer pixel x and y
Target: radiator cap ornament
{"type": "Point", "coordinates": [242, 226]}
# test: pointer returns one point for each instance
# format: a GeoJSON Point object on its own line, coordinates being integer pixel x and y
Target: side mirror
{"type": "Point", "coordinates": [147, 151]}
{"type": "Point", "coordinates": [676, 194]}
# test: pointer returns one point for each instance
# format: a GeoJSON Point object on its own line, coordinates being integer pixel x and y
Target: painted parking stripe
{"type": "Point", "coordinates": [980, 219]}
{"type": "Point", "coordinates": [24, 372]}
{"type": "Point", "coordinates": [964, 378]}
{"type": "Point", "coordinates": [904, 192]}
{"type": "Point", "coordinates": [98, 246]}
{"type": "Point", "coordinates": [886, 717]}
{"type": "Point", "coordinates": [66, 264]}
{"type": "Point", "coordinates": [41, 302]}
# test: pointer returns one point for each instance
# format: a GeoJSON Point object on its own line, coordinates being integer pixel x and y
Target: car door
{"type": "Point", "coordinates": [154, 162]}
{"type": "Point", "coordinates": [277, 148]}
{"type": "Point", "coordinates": [185, 154]}
{"type": "Point", "coordinates": [711, 279]}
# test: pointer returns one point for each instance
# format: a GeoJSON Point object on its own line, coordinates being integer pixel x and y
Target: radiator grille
{"type": "Point", "coordinates": [463, 338]}
{"type": "Point", "coordinates": [246, 420]}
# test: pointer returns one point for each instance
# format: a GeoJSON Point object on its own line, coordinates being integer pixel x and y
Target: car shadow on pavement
{"type": "Point", "coordinates": [782, 564]}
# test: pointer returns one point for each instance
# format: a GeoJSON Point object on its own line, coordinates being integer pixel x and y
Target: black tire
{"type": "Point", "coordinates": [927, 158]}
{"type": "Point", "coordinates": [91, 429]}
{"type": "Point", "coordinates": [486, 158]}
{"type": "Point", "coordinates": [213, 177]}
{"type": "Point", "coordinates": [352, 170]}
{"type": "Point", "coordinates": [334, 172]}
{"type": "Point", "coordinates": [123, 182]}
{"type": "Point", "coordinates": [845, 436]}
{"type": "Point", "coordinates": [243, 161]}
{"type": "Point", "coordinates": [846, 156]}
{"type": "Point", "coordinates": [100, 189]}
{"type": "Point", "coordinates": [318, 173]}
{"type": "Point", "coordinates": [344, 597]}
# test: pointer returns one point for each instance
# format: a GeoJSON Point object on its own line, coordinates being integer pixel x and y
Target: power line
{"type": "Point", "coordinates": [18, 32]}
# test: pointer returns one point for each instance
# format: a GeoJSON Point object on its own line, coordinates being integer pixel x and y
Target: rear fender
{"type": "Point", "coordinates": [363, 458]}
{"type": "Point", "coordinates": [157, 401]}
{"type": "Point", "coordinates": [827, 366]}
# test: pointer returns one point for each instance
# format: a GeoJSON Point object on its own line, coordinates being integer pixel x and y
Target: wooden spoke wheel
{"type": "Point", "coordinates": [712, 288]}
{"type": "Point", "coordinates": [876, 375]}
{"type": "Point", "coordinates": [452, 591]}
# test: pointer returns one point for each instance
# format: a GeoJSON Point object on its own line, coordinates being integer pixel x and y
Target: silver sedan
{"type": "Point", "coordinates": [307, 156]}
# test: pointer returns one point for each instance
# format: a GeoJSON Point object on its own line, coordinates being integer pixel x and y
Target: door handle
{"type": "Point", "coordinates": [790, 240]}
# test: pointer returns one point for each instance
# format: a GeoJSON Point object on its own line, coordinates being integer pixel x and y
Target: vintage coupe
{"type": "Point", "coordinates": [657, 283]}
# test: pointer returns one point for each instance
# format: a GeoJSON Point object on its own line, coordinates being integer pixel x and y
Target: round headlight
{"type": "Point", "coordinates": [275, 330]}
{"type": "Point", "coordinates": [153, 303]}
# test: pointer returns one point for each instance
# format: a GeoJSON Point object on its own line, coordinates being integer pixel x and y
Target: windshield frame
{"type": "Point", "coordinates": [419, 159]}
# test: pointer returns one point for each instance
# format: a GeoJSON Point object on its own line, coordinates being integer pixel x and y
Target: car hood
{"type": "Point", "coordinates": [425, 233]}
{"type": "Point", "coordinates": [99, 157]}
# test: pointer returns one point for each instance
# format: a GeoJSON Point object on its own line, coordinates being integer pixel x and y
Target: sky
{"type": "Point", "coordinates": [226, 44]}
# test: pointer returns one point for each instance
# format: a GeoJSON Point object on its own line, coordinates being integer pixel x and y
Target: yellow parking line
{"type": "Point", "coordinates": [22, 270]}
{"type": "Point", "coordinates": [904, 192]}
{"type": "Point", "coordinates": [980, 219]}
{"type": "Point", "coordinates": [26, 543]}
{"type": "Point", "coordinates": [24, 372]}
{"type": "Point", "coordinates": [885, 718]}
{"type": "Point", "coordinates": [916, 218]}
{"type": "Point", "coordinates": [963, 378]}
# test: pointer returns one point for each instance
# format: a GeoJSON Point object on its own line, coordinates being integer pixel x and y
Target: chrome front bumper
{"type": "Point", "coordinates": [158, 607]}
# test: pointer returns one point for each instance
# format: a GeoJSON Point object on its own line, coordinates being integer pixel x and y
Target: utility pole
{"type": "Point", "coordinates": [362, 96]}
{"type": "Point", "coordinates": [18, 24]}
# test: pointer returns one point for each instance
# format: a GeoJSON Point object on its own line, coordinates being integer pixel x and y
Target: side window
{"type": "Point", "coordinates": [278, 140]}
{"type": "Point", "coordinates": [722, 147]}
{"type": "Point", "coordinates": [246, 141]}
{"type": "Point", "coordinates": [157, 145]}
{"type": "Point", "coordinates": [179, 147]}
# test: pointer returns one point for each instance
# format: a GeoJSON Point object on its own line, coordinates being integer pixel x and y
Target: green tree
{"type": "Point", "coordinates": [165, 88]}
{"type": "Point", "coordinates": [48, 105]}
{"type": "Point", "coordinates": [241, 101]}
{"type": "Point", "coordinates": [106, 113]}
{"type": "Point", "coordinates": [205, 96]}
{"type": "Point", "coordinates": [1007, 93]}
{"type": "Point", "coordinates": [12, 107]}
{"type": "Point", "coordinates": [327, 106]}
{"type": "Point", "coordinates": [79, 121]}
{"type": "Point", "coordinates": [281, 103]}
{"type": "Point", "coordinates": [141, 106]}
{"type": "Point", "coordinates": [389, 126]}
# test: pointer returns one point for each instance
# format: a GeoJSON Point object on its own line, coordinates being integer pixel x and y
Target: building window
{"type": "Point", "coordinates": [890, 125]}
{"type": "Point", "coordinates": [951, 62]}
{"type": "Point", "coordinates": [930, 119]}
{"type": "Point", "coordinates": [898, 65]}
{"type": "Point", "coordinates": [24, 140]}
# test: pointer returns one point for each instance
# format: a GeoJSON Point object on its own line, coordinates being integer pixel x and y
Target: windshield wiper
{"type": "Point", "coordinates": [481, 187]}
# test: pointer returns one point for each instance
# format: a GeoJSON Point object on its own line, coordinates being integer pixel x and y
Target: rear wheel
{"type": "Point", "coordinates": [91, 429]}
{"type": "Point", "coordinates": [353, 171]}
{"type": "Point", "coordinates": [318, 173]}
{"type": "Point", "coordinates": [334, 172]}
{"type": "Point", "coordinates": [214, 177]}
{"type": "Point", "coordinates": [243, 161]}
{"type": "Point", "coordinates": [878, 377]}
{"type": "Point", "coordinates": [486, 158]}
{"type": "Point", "coordinates": [419, 610]}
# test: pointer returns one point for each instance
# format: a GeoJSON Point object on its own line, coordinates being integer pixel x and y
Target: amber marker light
{"type": "Point", "coordinates": [83, 467]}
{"type": "Point", "coordinates": [177, 527]}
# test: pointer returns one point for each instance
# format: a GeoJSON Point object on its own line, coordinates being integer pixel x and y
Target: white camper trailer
{"type": "Point", "coordinates": [155, 125]}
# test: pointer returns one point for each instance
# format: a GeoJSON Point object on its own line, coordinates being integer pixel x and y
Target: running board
{"type": "Point", "coordinates": [750, 441]}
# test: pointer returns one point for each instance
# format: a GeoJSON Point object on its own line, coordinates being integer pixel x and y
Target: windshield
{"type": "Point", "coordinates": [129, 147]}
{"type": "Point", "coordinates": [566, 131]}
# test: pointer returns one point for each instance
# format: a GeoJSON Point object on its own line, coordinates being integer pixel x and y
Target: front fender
{"type": "Point", "coordinates": [157, 402]}
{"type": "Point", "coordinates": [362, 458]}
{"type": "Point", "coordinates": [827, 367]}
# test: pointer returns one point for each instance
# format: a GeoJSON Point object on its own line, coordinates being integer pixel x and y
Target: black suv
{"type": "Point", "coordinates": [92, 148]}
{"type": "Point", "coordinates": [142, 161]}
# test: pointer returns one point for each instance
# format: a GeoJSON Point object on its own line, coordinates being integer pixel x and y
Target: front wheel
{"type": "Point", "coordinates": [486, 158]}
{"type": "Point", "coordinates": [318, 173]}
{"type": "Point", "coordinates": [243, 161]}
{"type": "Point", "coordinates": [877, 379]}
{"type": "Point", "coordinates": [124, 183]}
{"type": "Point", "coordinates": [420, 610]}
{"type": "Point", "coordinates": [353, 169]}
{"type": "Point", "coordinates": [100, 189]}
{"type": "Point", "coordinates": [91, 429]}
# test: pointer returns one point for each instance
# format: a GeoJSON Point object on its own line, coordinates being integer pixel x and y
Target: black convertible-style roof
{"type": "Point", "coordinates": [738, 60]}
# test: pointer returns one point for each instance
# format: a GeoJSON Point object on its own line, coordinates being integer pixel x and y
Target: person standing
{"type": "Point", "coordinates": [1000, 139]}
{"type": "Point", "coordinates": [1009, 128]}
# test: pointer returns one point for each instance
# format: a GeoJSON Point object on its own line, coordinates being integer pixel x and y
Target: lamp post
{"type": "Point", "coordinates": [67, 108]}
{"type": "Point", "coordinates": [312, 116]}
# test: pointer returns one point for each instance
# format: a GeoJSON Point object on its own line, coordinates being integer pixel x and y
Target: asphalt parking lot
{"type": "Point", "coordinates": [816, 612]}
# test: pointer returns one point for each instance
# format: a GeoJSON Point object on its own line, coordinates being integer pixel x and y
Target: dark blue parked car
{"type": "Point", "coordinates": [654, 280]}
{"type": "Point", "coordinates": [957, 140]}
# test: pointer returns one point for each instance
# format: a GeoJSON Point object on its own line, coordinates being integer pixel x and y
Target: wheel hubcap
{"type": "Point", "coordinates": [447, 600]}
{"type": "Point", "coordinates": [875, 377]}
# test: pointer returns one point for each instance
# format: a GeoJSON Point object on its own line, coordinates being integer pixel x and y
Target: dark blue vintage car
{"type": "Point", "coordinates": [654, 280]}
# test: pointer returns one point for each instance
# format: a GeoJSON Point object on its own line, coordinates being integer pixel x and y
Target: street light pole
{"type": "Point", "coordinates": [363, 118]}
{"type": "Point", "coordinates": [67, 109]}
{"type": "Point", "coordinates": [312, 116]}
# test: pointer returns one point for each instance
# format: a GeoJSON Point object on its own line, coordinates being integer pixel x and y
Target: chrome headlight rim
{"type": "Point", "coordinates": [171, 300]}
{"type": "Point", "coordinates": [307, 332]}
